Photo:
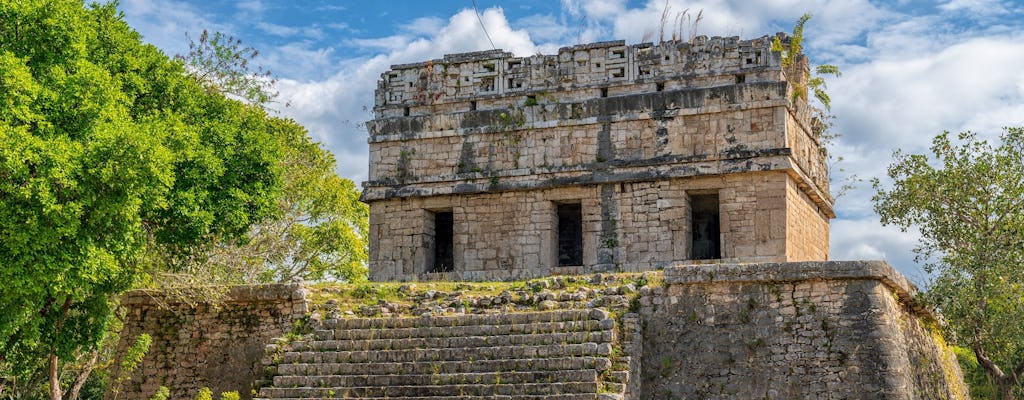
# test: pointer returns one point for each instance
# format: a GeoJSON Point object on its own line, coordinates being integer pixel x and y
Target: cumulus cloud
{"type": "Point", "coordinates": [867, 239]}
{"type": "Point", "coordinates": [907, 74]}
{"type": "Point", "coordinates": [164, 24]}
{"type": "Point", "coordinates": [333, 109]}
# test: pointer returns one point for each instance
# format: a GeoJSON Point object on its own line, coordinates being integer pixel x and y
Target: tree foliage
{"type": "Point", "coordinates": [968, 203]}
{"type": "Point", "coordinates": [222, 64]}
{"type": "Point", "coordinates": [319, 233]}
{"type": "Point", "coordinates": [320, 228]}
{"type": "Point", "coordinates": [108, 148]}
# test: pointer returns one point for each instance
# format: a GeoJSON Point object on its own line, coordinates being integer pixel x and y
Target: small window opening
{"type": "Point", "coordinates": [410, 84]}
{"type": "Point", "coordinates": [487, 84]}
{"type": "Point", "coordinates": [604, 92]}
{"type": "Point", "coordinates": [750, 60]}
{"type": "Point", "coordinates": [618, 54]}
{"type": "Point", "coordinates": [570, 235]}
{"type": "Point", "coordinates": [444, 233]}
{"type": "Point", "coordinates": [660, 86]}
{"type": "Point", "coordinates": [514, 84]}
{"type": "Point", "coordinates": [466, 79]}
{"type": "Point", "coordinates": [472, 105]}
{"type": "Point", "coordinates": [706, 240]}
{"type": "Point", "coordinates": [741, 78]}
{"type": "Point", "coordinates": [667, 58]}
{"type": "Point", "coordinates": [618, 73]}
{"type": "Point", "coordinates": [405, 111]}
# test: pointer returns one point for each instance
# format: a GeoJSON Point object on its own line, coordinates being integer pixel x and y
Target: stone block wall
{"type": "Point", "coordinates": [635, 226]}
{"type": "Point", "coordinates": [202, 345]}
{"type": "Point", "coordinates": [630, 133]}
{"type": "Point", "coordinates": [822, 330]}
{"type": "Point", "coordinates": [807, 229]}
{"type": "Point", "coordinates": [565, 139]}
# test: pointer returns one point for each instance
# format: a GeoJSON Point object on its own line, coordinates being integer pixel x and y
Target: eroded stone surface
{"type": "Point", "coordinates": [811, 330]}
{"type": "Point", "coordinates": [630, 133]}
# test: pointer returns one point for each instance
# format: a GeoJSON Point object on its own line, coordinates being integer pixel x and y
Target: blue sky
{"type": "Point", "coordinates": [911, 68]}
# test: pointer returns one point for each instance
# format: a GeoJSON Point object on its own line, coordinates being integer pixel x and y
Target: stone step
{"type": "Point", "coordinates": [448, 367]}
{"type": "Point", "coordinates": [464, 330]}
{"type": "Point", "coordinates": [448, 354]}
{"type": "Point", "coordinates": [578, 396]}
{"type": "Point", "coordinates": [470, 319]}
{"type": "Point", "coordinates": [618, 376]}
{"type": "Point", "coordinates": [453, 391]}
{"type": "Point", "coordinates": [485, 378]}
{"type": "Point", "coordinates": [456, 341]}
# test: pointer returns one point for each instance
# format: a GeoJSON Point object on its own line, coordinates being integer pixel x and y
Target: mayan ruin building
{"type": "Point", "coordinates": [695, 159]}
{"type": "Point", "coordinates": [604, 157]}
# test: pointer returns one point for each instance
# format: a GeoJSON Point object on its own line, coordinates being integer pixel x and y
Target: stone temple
{"type": "Point", "coordinates": [604, 157]}
{"type": "Point", "coordinates": [698, 158]}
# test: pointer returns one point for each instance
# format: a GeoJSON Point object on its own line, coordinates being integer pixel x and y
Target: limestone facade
{"type": "Point", "coordinates": [489, 166]}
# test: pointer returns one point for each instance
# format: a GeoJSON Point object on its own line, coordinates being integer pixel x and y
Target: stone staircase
{"type": "Point", "coordinates": [560, 355]}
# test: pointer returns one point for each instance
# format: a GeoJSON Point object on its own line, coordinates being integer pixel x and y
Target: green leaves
{"type": "Point", "coordinates": [967, 200]}
{"type": "Point", "coordinates": [108, 149]}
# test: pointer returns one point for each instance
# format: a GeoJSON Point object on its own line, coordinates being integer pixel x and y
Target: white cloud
{"type": "Point", "coordinates": [906, 77]}
{"type": "Point", "coordinates": [334, 108]}
{"type": "Point", "coordinates": [255, 7]}
{"type": "Point", "coordinates": [902, 103]}
{"type": "Point", "coordinates": [165, 23]}
{"type": "Point", "coordinates": [424, 26]}
{"type": "Point", "coordinates": [974, 7]}
{"type": "Point", "coordinates": [867, 239]}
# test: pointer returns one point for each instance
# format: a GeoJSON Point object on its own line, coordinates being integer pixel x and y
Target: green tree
{"type": "Point", "coordinates": [319, 233]}
{"type": "Point", "coordinates": [968, 203]}
{"type": "Point", "coordinates": [107, 148]}
{"type": "Point", "coordinates": [320, 229]}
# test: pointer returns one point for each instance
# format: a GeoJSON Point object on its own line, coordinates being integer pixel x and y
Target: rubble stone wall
{"type": "Point", "coordinates": [199, 345]}
{"type": "Point", "coordinates": [806, 330]}
{"type": "Point", "coordinates": [836, 330]}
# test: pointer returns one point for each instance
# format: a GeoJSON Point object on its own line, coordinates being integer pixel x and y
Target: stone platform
{"type": "Point", "coordinates": [807, 330]}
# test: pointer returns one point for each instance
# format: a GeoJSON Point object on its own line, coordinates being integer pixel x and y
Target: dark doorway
{"type": "Point", "coordinates": [570, 234]}
{"type": "Point", "coordinates": [706, 243]}
{"type": "Point", "coordinates": [444, 235]}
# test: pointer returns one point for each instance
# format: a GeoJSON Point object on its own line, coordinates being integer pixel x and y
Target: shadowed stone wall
{"type": "Point", "coordinates": [822, 330]}
{"type": "Point", "coordinates": [196, 345]}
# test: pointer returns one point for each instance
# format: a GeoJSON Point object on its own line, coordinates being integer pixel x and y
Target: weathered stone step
{"type": "Point", "coordinates": [448, 354]}
{"type": "Point", "coordinates": [464, 330]}
{"type": "Point", "coordinates": [575, 396]}
{"type": "Point", "coordinates": [457, 341]}
{"type": "Point", "coordinates": [448, 367]}
{"type": "Point", "coordinates": [470, 319]}
{"type": "Point", "coordinates": [484, 378]}
{"type": "Point", "coordinates": [454, 391]}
